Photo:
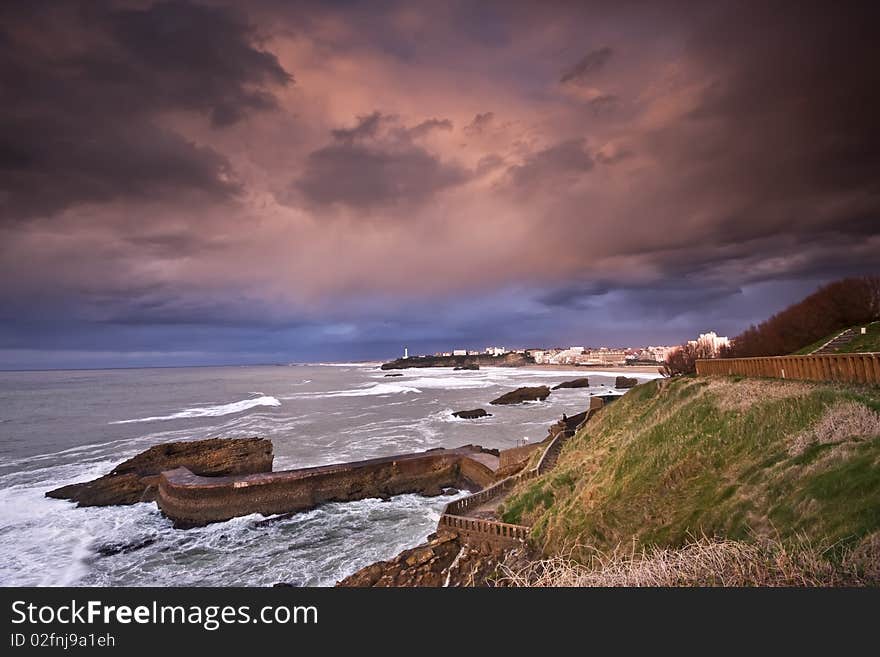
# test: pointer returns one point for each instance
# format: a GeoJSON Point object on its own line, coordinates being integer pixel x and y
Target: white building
{"type": "Point", "coordinates": [710, 343]}
{"type": "Point", "coordinates": [496, 351]}
{"type": "Point", "coordinates": [459, 352]}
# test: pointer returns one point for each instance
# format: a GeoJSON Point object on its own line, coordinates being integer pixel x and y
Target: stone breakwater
{"type": "Point", "coordinates": [191, 500]}
{"type": "Point", "coordinates": [198, 482]}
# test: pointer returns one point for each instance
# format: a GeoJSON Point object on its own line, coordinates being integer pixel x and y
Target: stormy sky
{"type": "Point", "coordinates": [221, 182]}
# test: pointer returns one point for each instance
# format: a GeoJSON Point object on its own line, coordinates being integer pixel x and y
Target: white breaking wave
{"type": "Point", "coordinates": [210, 411]}
{"type": "Point", "coordinates": [376, 389]}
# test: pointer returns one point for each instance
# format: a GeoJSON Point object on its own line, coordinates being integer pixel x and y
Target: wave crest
{"type": "Point", "coordinates": [210, 411]}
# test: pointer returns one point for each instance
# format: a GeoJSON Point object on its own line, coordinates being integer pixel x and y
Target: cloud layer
{"type": "Point", "coordinates": [297, 180]}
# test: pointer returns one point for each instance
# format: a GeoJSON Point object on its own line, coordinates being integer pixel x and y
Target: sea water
{"type": "Point", "coordinates": [62, 427]}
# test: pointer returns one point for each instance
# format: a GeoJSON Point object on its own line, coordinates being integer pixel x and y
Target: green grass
{"type": "Point", "coordinates": [684, 457]}
{"type": "Point", "coordinates": [862, 343]}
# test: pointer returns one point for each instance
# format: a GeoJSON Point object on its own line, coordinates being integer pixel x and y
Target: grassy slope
{"type": "Point", "coordinates": [868, 342]}
{"type": "Point", "coordinates": [681, 457]}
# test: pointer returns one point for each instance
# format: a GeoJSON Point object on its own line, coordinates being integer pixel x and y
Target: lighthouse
{"type": "Point", "coordinates": [405, 352]}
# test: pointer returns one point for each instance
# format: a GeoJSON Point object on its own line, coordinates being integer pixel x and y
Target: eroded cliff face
{"type": "Point", "coordinates": [135, 480]}
{"type": "Point", "coordinates": [443, 560]}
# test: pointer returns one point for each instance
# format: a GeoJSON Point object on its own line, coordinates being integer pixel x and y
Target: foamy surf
{"type": "Point", "coordinates": [376, 389]}
{"type": "Point", "coordinates": [209, 411]}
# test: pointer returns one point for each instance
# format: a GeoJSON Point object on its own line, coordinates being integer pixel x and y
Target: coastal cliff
{"type": "Point", "coordinates": [461, 362]}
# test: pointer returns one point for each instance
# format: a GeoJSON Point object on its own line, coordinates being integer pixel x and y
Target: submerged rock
{"type": "Point", "coordinates": [135, 480]}
{"type": "Point", "coordinates": [524, 394]}
{"type": "Point", "coordinates": [394, 374]}
{"type": "Point", "coordinates": [574, 383]}
{"type": "Point", "coordinates": [109, 549]}
{"type": "Point", "coordinates": [469, 366]}
{"type": "Point", "coordinates": [472, 414]}
{"type": "Point", "coordinates": [625, 382]}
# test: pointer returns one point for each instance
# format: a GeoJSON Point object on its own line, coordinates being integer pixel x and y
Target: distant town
{"type": "Point", "coordinates": [709, 344]}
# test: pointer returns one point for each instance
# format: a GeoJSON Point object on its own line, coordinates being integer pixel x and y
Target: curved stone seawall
{"type": "Point", "coordinates": [191, 501]}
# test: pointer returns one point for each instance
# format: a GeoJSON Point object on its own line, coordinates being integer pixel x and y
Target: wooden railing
{"type": "Point", "coordinates": [453, 516]}
{"type": "Point", "coordinates": [493, 528]}
{"type": "Point", "coordinates": [845, 368]}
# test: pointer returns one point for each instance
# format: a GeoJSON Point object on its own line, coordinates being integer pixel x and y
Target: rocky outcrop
{"type": "Point", "coordinates": [470, 366]}
{"type": "Point", "coordinates": [484, 360]}
{"type": "Point", "coordinates": [625, 382]}
{"type": "Point", "coordinates": [135, 480]}
{"type": "Point", "coordinates": [444, 560]}
{"type": "Point", "coordinates": [472, 414]}
{"type": "Point", "coordinates": [394, 374]}
{"type": "Point", "coordinates": [574, 383]}
{"type": "Point", "coordinates": [520, 395]}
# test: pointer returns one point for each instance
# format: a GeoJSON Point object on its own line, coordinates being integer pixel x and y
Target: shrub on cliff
{"type": "Point", "coordinates": [833, 307]}
{"type": "Point", "coordinates": [683, 360]}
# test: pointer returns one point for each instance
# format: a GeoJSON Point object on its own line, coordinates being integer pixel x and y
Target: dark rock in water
{"type": "Point", "coordinates": [574, 383]}
{"type": "Point", "coordinates": [472, 414]}
{"type": "Point", "coordinates": [136, 479]}
{"type": "Point", "coordinates": [520, 395]}
{"type": "Point", "coordinates": [395, 374]}
{"type": "Point", "coordinates": [625, 382]}
{"type": "Point", "coordinates": [109, 549]}
{"type": "Point", "coordinates": [469, 366]}
{"type": "Point", "coordinates": [283, 585]}
{"type": "Point", "coordinates": [450, 491]}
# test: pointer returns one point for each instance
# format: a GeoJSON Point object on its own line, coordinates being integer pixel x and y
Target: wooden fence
{"type": "Point", "coordinates": [846, 368]}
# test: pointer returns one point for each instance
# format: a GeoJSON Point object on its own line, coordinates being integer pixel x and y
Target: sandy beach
{"type": "Point", "coordinates": [586, 369]}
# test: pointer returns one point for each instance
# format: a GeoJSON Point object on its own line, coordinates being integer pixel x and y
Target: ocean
{"type": "Point", "coordinates": [61, 427]}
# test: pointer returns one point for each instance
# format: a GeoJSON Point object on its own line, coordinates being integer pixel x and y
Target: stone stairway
{"type": "Point", "coordinates": [840, 340]}
{"type": "Point", "coordinates": [552, 455]}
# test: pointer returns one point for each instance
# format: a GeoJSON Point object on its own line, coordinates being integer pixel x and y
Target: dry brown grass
{"type": "Point", "coordinates": [845, 421]}
{"type": "Point", "coordinates": [742, 396]}
{"type": "Point", "coordinates": [706, 562]}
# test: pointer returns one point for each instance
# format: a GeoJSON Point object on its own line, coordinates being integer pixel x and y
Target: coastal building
{"type": "Point", "coordinates": [459, 352]}
{"type": "Point", "coordinates": [605, 356]}
{"type": "Point", "coordinates": [496, 351]}
{"type": "Point", "coordinates": [710, 344]}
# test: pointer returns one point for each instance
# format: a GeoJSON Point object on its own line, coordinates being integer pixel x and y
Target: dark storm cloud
{"type": "Point", "coordinates": [786, 129]}
{"type": "Point", "coordinates": [366, 126]}
{"type": "Point", "coordinates": [560, 164]}
{"type": "Point", "coordinates": [604, 105]}
{"type": "Point", "coordinates": [589, 64]}
{"type": "Point", "coordinates": [426, 127]}
{"type": "Point", "coordinates": [368, 166]}
{"type": "Point", "coordinates": [480, 123]}
{"type": "Point", "coordinates": [85, 88]}
{"type": "Point", "coordinates": [667, 300]}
